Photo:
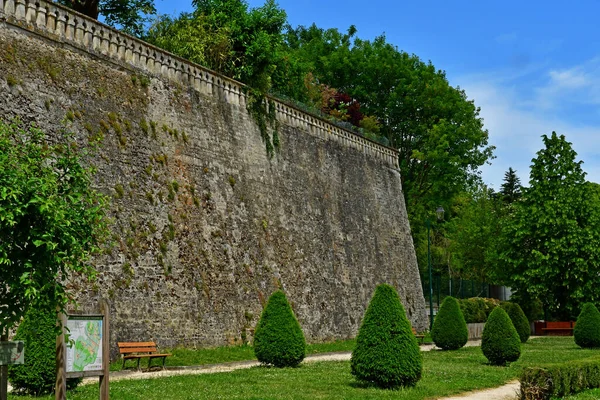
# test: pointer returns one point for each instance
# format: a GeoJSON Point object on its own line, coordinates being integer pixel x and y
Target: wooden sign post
{"type": "Point", "coordinates": [87, 352]}
{"type": "Point", "coordinates": [3, 375]}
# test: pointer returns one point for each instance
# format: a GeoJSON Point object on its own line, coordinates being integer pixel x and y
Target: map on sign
{"type": "Point", "coordinates": [84, 349]}
{"type": "Point", "coordinates": [12, 353]}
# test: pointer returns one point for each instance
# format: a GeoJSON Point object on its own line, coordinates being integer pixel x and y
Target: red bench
{"type": "Point", "coordinates": [559, 328]}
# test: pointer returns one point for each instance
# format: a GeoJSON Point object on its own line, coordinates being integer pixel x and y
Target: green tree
{"type": "Point", "coordinates": [436, 128]}
{"type": "Point", "coordinates": [587, 329]}
{"type": "Point", "coordinates": [278, 339]}
{"type": "Point", "coordinates": [449, 330]}
{"type": "Point", "coordinates": [518, 318]}
{"type": "Point", "coordinates": [473, 234]}
{"type": "Point", "coordinates": [500, 341]}
{"type": "Point", "coordinates": [552, 240]}
{"type": "Point", "coordinates": [511, 187]}
{"type": "Point", "coordinates": [386, 352]}
{"type": "Point", "coordinates": [129, 15]}
{"type": "Point", "coordinates": [51, 220]}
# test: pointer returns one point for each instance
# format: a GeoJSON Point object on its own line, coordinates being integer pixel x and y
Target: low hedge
{"type": "Point", "coordinates": [477, 309]}
{"type": "Point", "coordinates": [559, 380]}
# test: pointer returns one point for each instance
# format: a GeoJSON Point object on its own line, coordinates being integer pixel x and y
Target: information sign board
{"type": "Point", "coordinates": [84, 347]}
{"type": "Point", "coordinates": [12, 353]}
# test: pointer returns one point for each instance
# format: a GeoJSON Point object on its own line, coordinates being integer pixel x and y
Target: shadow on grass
{"type": "Point", "coordinates": [372, 385]}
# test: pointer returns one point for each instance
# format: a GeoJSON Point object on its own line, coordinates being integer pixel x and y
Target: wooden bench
{"type": "Point", "coordinates": [139, 350]}
{"type": "Point", "coordinates": [420, 338]}
{"type": "Point", "coordinates": [559, 328]}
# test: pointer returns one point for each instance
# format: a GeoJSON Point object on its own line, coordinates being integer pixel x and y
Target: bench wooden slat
{"type": "Point", "coordinates": [145, 356]}
{"type": "Point", "coordinates": [136, 344]}
{"type": "Point", "coordinates": [138, 350]}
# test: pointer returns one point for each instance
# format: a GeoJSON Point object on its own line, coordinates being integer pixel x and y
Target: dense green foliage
{"type": "Point", "coordinates": [387, 353]}
{"type": "Point", "coordinates": [587, 329]}
{"type": "Point", "coordinates": [473, 233]}
{"type": "Point", "coordinates": [51, 220]}
{"type": "Point", "coordinates": [278, 339]}
{"type": "Point", "coordinates": [518, 318]}
{"type": "Point", "coordinates": [449, 330]}
{"type": "Point", "coordinates": [500, 342]}
{"type": "Point", "coordinates": [477, 309]}
{"type": "Point", "coordinates": [559, 380]}
{"type": "Point", "coordinates": [129, 15]}
{"type": "Point", "coordinates": [552, 240]}
{"type": "Point", "coordinates": [38, 374]}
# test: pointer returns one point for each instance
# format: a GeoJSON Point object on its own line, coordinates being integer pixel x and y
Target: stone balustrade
{"type": "Point", "coordinates": [64, 25]}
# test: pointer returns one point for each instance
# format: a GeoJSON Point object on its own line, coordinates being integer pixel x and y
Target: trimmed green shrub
{"type": "Point", "coordinates": [500, 342]}
{"type": "Point", "coordinates": [518, 318]}
{"type": "Point", "coordinates": [449, 330]}
{"type": "Point", "coordinates": [587, 327]}
{"type": "Point", "coordinates": [477, 309]}
{"type": "Point", "coordinates": [559, 380]}
{"type": "Point", "coordinates": [278, 339]}
{"type": "Point", "coordinates": [38, 374]}
{"type": "Point", "coordinates": [386, 353]}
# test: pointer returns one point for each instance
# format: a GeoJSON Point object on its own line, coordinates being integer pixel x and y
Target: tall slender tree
{"type": "Point", "coordinates": [511, 188]}
{"type": "Point", "coordinates": [552, 240]}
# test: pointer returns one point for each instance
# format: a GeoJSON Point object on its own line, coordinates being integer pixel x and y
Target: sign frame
{"type": "Point", "coordinates": [61, 353]}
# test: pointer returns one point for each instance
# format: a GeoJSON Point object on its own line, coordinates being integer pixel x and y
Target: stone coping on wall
{"type": "Point", "coordinates": [65, 25]}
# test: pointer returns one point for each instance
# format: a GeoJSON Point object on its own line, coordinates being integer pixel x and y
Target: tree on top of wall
{"type": "Point", "coordinates": [129, 15]}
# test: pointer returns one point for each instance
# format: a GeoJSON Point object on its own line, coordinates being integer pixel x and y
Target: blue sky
{"type": "Point", "coordinates": [532, 67]}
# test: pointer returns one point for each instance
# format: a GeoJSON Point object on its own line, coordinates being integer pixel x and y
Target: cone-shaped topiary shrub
{"type": "Point", "coordinates": [518, 318]}
{"type": "Point", "coordinates": [449, 330]}
{"type": "Point", "coordinates": [500, 342]}
{"type": "Point", "coordinates": [386, 352]}
{"type": "Point", "coordinates": [38, 374]}
{"type": "Point", "coordinates": [587, 327]}
{"type": "Point", "coordinates": [278, 339]}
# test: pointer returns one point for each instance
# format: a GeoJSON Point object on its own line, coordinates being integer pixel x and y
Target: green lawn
{"type": "Point", "coordinates": [587, 395]}
{"type": "Point", "coordinates": [445, 373]}
{"type": "Point", "coordinates": [183, 357]}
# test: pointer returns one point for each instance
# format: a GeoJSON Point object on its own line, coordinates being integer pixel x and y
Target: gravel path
{"type": "Point", "coordinates": [510, 391]}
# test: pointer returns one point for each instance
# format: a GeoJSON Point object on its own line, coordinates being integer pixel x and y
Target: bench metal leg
{"type": "Point", "coordinates": [138, 365]}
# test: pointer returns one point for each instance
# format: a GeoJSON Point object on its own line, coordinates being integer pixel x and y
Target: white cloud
{"type": "Point", "coordinates": [579, 84]}
{"type": "Point", "coordinates": [516, 129]}
{"type": "Point", "coordinates": [573, 78]}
